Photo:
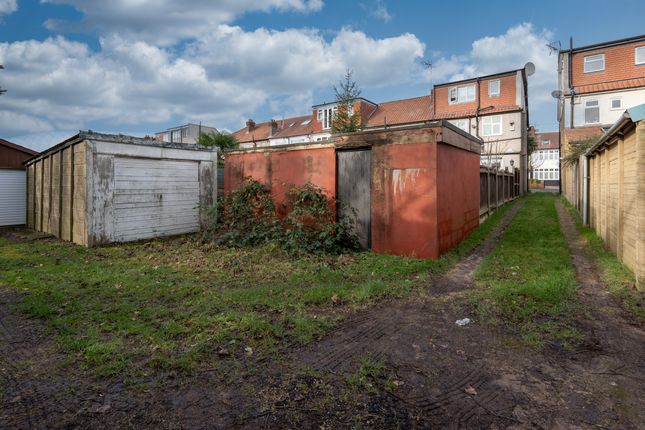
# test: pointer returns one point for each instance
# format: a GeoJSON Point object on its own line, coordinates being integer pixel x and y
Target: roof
{"type": "Point", "coordinates": [406, 111]}
{"type": "Point", "coordinates": [19, 148]}
{"type": "Point", "coordinates": [637, 113]}
{"type": "Point", "coordinates": [552, 136]}
{"type": "Point", "coordinates": [631, 115]}
{"type": "Point", "coordinates": [262, 130]}
{"type": "Point", "coordinates": [335, 101]}
{"type": "Point", "coordinates": [297, 126]}
{"type": "Point", "coordinates": [117, 138]}
{"type": "Point", "coordinates": [606, 44]}
{"type": "Point", "coordinates": [582, 133]}
{"type": "Point", "coordinates": [473, 112]}
{"type": "Point", "coordinates": [609, 86]}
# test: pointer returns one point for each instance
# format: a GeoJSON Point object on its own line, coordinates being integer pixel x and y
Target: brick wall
{"type": "Point", "coordinates": [619, 65]}
{"type": "Point", "coordinates": [507, 96]}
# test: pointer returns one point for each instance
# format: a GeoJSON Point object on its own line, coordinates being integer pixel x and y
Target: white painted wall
{"type": "Point", "coordinates": [13, 197]}
{"type": "Point", "coordinates": [608, 116]}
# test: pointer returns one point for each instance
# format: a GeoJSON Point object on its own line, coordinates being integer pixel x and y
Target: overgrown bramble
{"type": "Point", "coordinates": [248, 216]}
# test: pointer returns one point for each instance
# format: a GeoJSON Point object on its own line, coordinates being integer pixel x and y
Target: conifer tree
{"type": "Point", "coordinates": [346, 119]}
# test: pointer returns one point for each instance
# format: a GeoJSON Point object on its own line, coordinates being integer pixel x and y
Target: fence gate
{"type": "Point", "coordinates": [354, 189]}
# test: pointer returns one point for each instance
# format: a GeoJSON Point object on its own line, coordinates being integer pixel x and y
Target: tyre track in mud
{"type": "Point", "coordinates": [393, 333]}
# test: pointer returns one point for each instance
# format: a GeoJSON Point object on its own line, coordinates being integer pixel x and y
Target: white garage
{"type": "Point", "coordinates": [13, 197]}
{"type": "Point", "coordinates": [97, 188]}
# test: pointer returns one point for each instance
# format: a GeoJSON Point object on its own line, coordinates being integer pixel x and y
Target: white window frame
{"type": "Point", "coordinates": [639, 54]}
{"type": "Point", "coordinates": [591, 59]}
{"type": "Point", "coordinates": [546, 142]}
{"type": "Point", "coordinates": [611, 103]}
{"type": "Point", "coordinates": [492, 121]}
{"type": "Point", "coordinates": [320, 115]}
{"type": "Point", "coordinates": [597, 107]}
{"type": "Point", "coordinates": [462, 124]}
{"type": "Point", "coordinates": [490, 86]}
{"type": "Point", "coordinates": [469, 98]}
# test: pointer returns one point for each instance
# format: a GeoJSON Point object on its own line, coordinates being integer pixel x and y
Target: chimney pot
{"type": "Point", "coordinates": [250, 125]}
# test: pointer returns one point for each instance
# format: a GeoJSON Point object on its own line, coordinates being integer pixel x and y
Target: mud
{"type": "Point", "coordinates": [431, 373]}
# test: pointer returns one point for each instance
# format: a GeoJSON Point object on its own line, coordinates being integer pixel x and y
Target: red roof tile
{"type": "Point", "coordinates": [473, 112]}
{"type": "Point", "coordinates": [609, 86]}
{"type": "Point", "coordinates": [262, 131]}
{"type": "Point", "coordinates": [405, 111]}
{"type": "Point", "coordinates": [552, 136]}
{"type": "Point", "coordinates": [298, 126]}
{"type": "Point", "coordinates": [582, 133]}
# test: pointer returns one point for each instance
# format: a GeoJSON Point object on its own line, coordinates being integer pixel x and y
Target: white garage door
{"type": "Point", "coordinates": [154, 198]}
{"type": "Point", "coordinates": [13, 200]}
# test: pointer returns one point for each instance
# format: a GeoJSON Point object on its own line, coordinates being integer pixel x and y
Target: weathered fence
{"type": "Point", "coordinates": [496, 187]}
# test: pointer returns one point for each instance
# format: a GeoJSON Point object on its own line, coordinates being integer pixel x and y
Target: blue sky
{"type": "Point", "coordinates": [140, 66]}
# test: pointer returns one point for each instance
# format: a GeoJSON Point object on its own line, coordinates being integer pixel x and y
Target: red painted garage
{"type": "Point", "coordinates": [413, 191]}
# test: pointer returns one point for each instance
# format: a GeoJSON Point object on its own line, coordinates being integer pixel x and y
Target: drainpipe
{"type": "Point", "coordinates": [570, 55]}
{"type": "Point", "coordinates": [585, 190]}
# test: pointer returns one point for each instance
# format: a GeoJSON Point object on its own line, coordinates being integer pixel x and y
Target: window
{"type": "Point", "coordinates": [461, 123]}
{"type": "Point", "coordinates": [595, 63]}
{"type": "Point", "coordinates": [493, 88]}
{"type": "Point", "coordinates": [462, 94]}
{"type": "Point", "coordinates": [616, 104]}
{"type": "Point", "coordinates": [306, 122]}
{"type": "Point", "coordinates": [492, 125]}
{"type": "Point", "coordinates": [639, 54]}
{"type": "Point", "coordinates": [546, 142]}
{"type": "Point", "coordinates": [592, 112]}
{"type": "Point", "coordinates": [326, 115]}
{"type": "Point", "coordinates": [184, 132]}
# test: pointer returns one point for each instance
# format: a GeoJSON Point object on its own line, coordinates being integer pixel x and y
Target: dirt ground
{"type": "Point", "coordinates": [401, 364]}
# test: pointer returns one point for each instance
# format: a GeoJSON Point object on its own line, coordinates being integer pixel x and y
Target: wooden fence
{"type": "Point", "coordinates": [496, 187]}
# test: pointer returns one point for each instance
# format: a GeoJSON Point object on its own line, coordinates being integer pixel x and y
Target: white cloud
{"type": "Point", "coordinates": [165, 22]}
{"type": "Point", "coordinates": [508, 51]}
{"type": "Point", "coordinates": [379, 11]}
{"type": "Point", "coordinates": [8, 6]}
{"type": "Point", "coordinates": [219, 79]}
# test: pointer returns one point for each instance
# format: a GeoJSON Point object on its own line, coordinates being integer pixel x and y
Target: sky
{"type": "Point", "coordinates": [141, 66]}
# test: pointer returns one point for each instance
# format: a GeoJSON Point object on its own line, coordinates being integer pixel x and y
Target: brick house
{"type": "Point", "coordinates": [596, 84]}
{"type": "Point", "coordinates": [544, 166]}
{"type": "Point", "coordinates": [493, 108]}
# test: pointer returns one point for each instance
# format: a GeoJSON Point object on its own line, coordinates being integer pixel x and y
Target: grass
{"type": "Point", "coordinates": [179, 304]}
{"type": "Point", "coordinates": [615, 275]}
{"type": "Point", "coordinates": [528, 281]}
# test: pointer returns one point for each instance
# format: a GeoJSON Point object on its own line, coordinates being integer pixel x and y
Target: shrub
{"type": "Point", "coordinates": [248, 216]}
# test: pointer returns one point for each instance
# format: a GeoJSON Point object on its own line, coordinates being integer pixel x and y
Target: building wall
{"type": "Point", "coordinates": [619, 65]}
{"type": "Point", "coordinates": [507, 97]}
{"type": "Point", "coordinates": [11, 158]}
{"type": "Point", "coordinates": [56, 194]}
{"type": "Point", "coordinates": [280, 168]}
{"type": "Point", "coordinates": [617, 198]}
{"type": "Point", "coordinates": [404, 200]}
{"type": "Point", "coordinates": [608, 116]}
{"type": "Point", "coordinates": [457, 200]}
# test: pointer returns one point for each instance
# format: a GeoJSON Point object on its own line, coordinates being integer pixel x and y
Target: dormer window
{"type": "Point", "coordinates": [594, 63]}
{"type": "Point", "coordinates": [462, 94]}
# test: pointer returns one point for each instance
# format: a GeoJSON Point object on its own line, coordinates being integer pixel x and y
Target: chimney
{"type": "Point", "coordinates": [250, 125]}
{"type": "Point", "coordinates": [274, 127]}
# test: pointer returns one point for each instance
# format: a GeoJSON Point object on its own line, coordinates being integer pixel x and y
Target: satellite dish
{"type": "Point", "coordinates": [530, 68]}
{"type": "Point", "coordinates": [556, 94]}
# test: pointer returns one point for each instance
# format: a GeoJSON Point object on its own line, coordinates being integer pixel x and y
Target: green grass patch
{"type": "Point", "coordinates": [615, 275]}
{"type": "Point", "coordinates": [528, 281]}
{"type": "Point", "coordinates": [176, 304]}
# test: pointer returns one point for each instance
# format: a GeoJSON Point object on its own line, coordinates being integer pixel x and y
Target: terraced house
{"type": "Point", "coordinates": [596, 84]}
{"type": "Point", "coordinates": [493, 108]}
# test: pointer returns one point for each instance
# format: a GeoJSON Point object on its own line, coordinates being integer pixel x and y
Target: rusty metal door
{"type": "Point", "coordinates": [354, 191]}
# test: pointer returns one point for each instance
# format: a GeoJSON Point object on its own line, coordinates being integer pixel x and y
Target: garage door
{"type": "Point", "coordinates": [13, 200]}
{"type": "Point", "coordinates": [154, 198]}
